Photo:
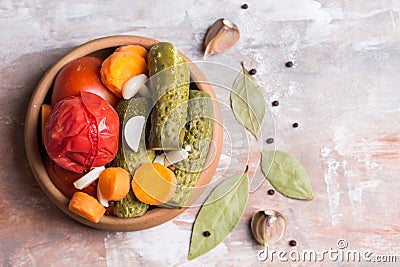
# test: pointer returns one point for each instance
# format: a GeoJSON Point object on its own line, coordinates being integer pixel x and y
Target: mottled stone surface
{"type": "Point", "coordinates": [343, 91]}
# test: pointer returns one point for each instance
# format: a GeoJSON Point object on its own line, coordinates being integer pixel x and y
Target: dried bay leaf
{"type": "Point", "coordinates": [286, 174]}
{"type": "Point", "coordinates": [220, 214]}
{"type": "Point", "coordinates": [248, 103]}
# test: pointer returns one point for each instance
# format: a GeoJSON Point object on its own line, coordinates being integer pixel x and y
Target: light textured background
{"type": "Point", "coordinates": [343, 91]}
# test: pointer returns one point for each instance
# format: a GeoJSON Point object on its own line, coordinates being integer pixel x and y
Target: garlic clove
{"type": "Point", "coordinates": [268, 227]}
{"type": "Point", "coordinates": [133, 86]}
{"type": "Point", "coordinates": [133, 131]}
{"type": "Point", "coordinates": [100, 197]}
{"type": "Point", "coordinates": [221, 36]}
{"type": "Point", "coordinates": [160, 159]}
{"type": "Point", "coordinates": [144, 91]}
{"type": "Point", "coordinates": [173, 157]}
{"type": "Point", "coordinates": [88, 178]}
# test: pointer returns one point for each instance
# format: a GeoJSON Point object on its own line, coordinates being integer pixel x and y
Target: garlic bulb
{"type": "Point", "coordinates": [268, 227]}
{"type": "Point", "coordinates": [221, 36]}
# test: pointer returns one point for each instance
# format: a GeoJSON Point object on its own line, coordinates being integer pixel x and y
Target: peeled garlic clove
{"type": "Point", "coordinates": [221, 36]}
{"type": "Point", "coordinates": [133, 131]}
{"type": "Point", "coordinates": [100, 197]}
{"type": "Point", "coordinates": [88, 178]}
{"type": "Point", "coordinates": [173, 157]}
{"type": "Point", "coordinates": [133, 85]}
{"type": "Point", "coordinates": [268, 227]}
{"type": "Point", "coordinates": [160, 159]}
{"type": "Point", "coordinates": [144, 91]}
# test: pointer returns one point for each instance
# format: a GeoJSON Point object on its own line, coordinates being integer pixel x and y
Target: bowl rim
{"type": "Point", "coordinates": [151, 218]}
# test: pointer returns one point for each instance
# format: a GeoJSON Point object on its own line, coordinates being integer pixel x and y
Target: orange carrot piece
{"type": "Point", "coordinates": [46, 110]}
{"type": "Point", "coordinates": [86, 206]}
{"type": "Point", "coordinates": [114, 183]}
{"type": "Point", "coordinates": [153, 183]}
{"type": "Point", "coordinates": [119, 68]}
{"type": "Point", "coordinates": [138, 49]}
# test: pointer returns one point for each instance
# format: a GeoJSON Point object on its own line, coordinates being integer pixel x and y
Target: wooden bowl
{"type": "Point", "coordinates": [103, 47]}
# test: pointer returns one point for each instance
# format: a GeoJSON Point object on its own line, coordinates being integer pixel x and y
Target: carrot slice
{"type": "Point", "coordinates": [46, 110]}
{"type": "Point", "coordinates": [138, 49]}
{"type": "Point", "coordinates": [86, 206]}
{"type": "Point", "coordinates": [119, 67]}
{"type": "Point", "coordinates": [154, 183]}
{"type": "Point", "coordinates": [114, 183]}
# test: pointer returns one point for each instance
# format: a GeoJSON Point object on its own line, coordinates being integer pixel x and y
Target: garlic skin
{"type": "Point", "coordinates": [221, 36]}
{"type": "Point", "coordinates": [268, 227]}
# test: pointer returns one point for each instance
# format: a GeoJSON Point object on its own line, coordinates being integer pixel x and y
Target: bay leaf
{"type": "Point", "coordinates": [248, 103]}
{"type": "Point", "coordinates": [219, 215]}
{"type": "Point", "coordinates": [286, 174]}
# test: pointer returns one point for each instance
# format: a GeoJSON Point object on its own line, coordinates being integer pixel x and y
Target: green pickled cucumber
{"type": "Point", "coordinates": [169, 83]}
{"type": "Point", "coordinates": [130, 207]}
{"type": "Point", "coordinates": [198, 137]}
{"type": "Point", "coordinates": [126, 157]}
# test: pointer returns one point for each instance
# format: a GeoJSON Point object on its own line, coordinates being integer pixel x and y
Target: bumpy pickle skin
{"type": "Point", "coordinates": [169, 83]}
{"type": "Point", "coordinates": [128, 159]}
{"type": "Point", "coordinates": [198, 138]}
{"type": "Point", "coordinates": [129, 207]}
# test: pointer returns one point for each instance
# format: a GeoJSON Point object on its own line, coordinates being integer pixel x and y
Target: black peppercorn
{"type": "Point", "coordinates": [244, 6]}
{"type": "Point", "coordinates": [295, 125]}
{"type": "Point", "coordinates": [275, 103]}
{"type": "Point", "coordinates": [292, 243]}
{"type": "Point", "coordinates": [252, 71]}
{"type": "Point", "coordinates": [289, 64]}
{"type": "Point", "coordinates": [206, 233]}
{"type": "Point", "coordinates": [271, 192]}
{"type": "Point", "coordinates": [270, 140]}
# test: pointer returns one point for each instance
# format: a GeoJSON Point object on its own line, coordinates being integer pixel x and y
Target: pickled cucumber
{"type": "Point", "coordinates": [129, 207]}
{"type": "Point", "coordinates": [169, 83]}
{"type": "Point", "coordinates": [197, 141]}
{"type": "Point", "coordinates": [126, 157]}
